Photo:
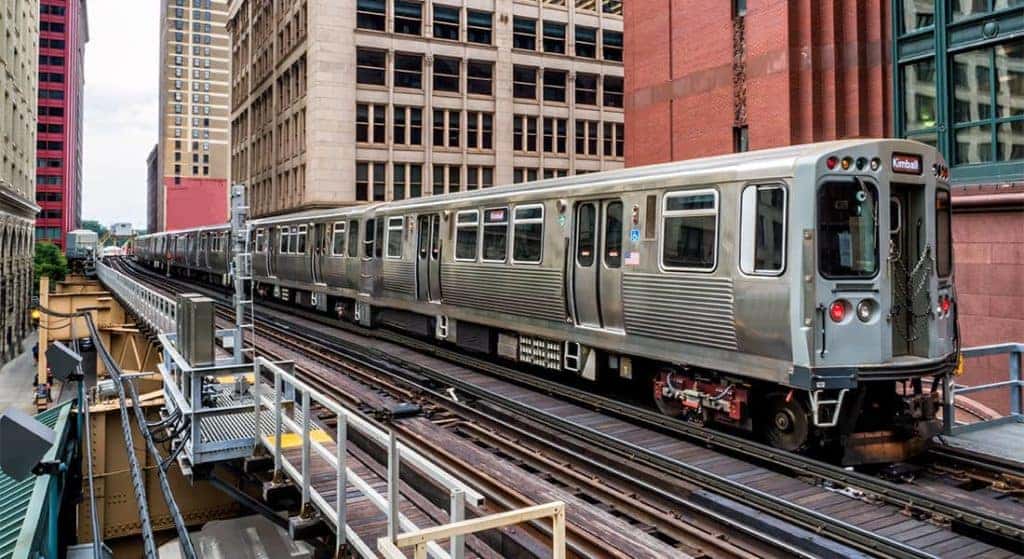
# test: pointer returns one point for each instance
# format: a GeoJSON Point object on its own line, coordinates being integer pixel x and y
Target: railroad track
{"type": "Point", "coordinates": [1004, 531]}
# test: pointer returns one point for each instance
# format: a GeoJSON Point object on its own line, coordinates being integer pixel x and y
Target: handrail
{"type": "Point", "coordinates": [420, 539]}
{"type": "Point", "coordinates": [1014, 383]}
{"type": "Point", "coordinates": [155, 309]}
{"type": "Point", "coordinates": [299, 424]}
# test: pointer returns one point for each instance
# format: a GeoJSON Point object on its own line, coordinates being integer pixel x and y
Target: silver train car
{"type": "Point", "coordinates": [804, 294]}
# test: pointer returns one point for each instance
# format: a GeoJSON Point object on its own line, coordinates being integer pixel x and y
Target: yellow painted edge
{"type": "Point", "coordinates": [292, 440]}
{"type": "Point", "coordinates": [230, 379]}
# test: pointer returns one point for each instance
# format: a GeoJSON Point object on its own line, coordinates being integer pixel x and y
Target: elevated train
{"type": "Point", "coordinates": [804, 294]}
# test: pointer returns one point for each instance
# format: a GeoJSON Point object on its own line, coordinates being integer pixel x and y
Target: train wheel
{"type": "Point", "coordinates": [787, 423]}
{"type": "Point", "coordinates": [668, 406]}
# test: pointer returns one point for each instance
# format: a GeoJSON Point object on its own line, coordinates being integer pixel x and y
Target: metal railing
{"type": "Point", "coordinates": [156, 310]}
{"type": "Point", "coordinates": [1013, 384]}
{"type": "Point", "coordinates": [420, 539]}
{"type": "Point", "coordinates": [277, 404]}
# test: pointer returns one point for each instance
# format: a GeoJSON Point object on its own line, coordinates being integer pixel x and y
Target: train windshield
{"type": "Point", "coordinates": [848, 229]}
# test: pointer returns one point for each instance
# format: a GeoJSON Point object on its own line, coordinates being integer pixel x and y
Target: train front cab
{"type": "Point", "coordinates": [878, 319]}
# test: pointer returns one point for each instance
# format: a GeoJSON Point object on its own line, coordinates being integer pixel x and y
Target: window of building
{"type": "Point", "coordinates": [763, 230]}
{"type": "Point", "coordinates": [407, 180]}
{"type": "Point", "coordinates": [611, 7]}
{"type": "Point", "coordinates": [690, 230]}
{"type": "Point", "coordinates": [554, 85]}
{"type": "Point", "coordinates": [524, 33]}
{"type": "Point", "coordinates": [528, 234]}
{"type": "Point", "coordinates": [395, 230]}
{"type": "Point", "coordinates": [479, 177]}
{"type": "Point", "coordinates": [370, 14]}
{"type": "Point", "coordinates": [370, 123]}
{"type": "Point", "coordinates": [495, 243]}
{"type": "Point", "coordinates": [524, 82]}
{"type": "Point", "coordinates": [371, 66]}
{"type": "Point", "coordinates": [586, 41]}
{"type": "Point", "coordinates": [523, 174]}
{"type": "Point", "coordinates": [446, 73]}
{"type": "Point", "coordinates": [524, 133]}
{"type": "Point", "coordinates": [555, 173]}
{"type": "Point", "coordinates": [408, 125]}
{"type": "Point", "coordinates": [408, 70]}
{"type": "Point", "coordinates": [408, 17]}
{"type": "Point", "coordinates": [614, 139]}
{"type": "Point", "coordinates": [370, 176]}
{"type": "Point", "coordinates": [956, 94]}
{"type": "Point", "coordinates": [447, 125]}
{"type": "Point", "coordinates": [446, 22]}
{"type": "Point", "coordinates": [479, 130]}
{"type": "Point", "coordinates": [613, 91]}
{"type": "Point", "coordinates": [480, 77]}
{"type": "Point", "coordinates": [586, 89]}
{"type": "Point", "coordinates": [586, 137]}
{"type": "Point", "coordinates": [554, 135]}
{"type": "Point", "coordinates": [479, 26]}
{"type": "Point", "coordinates": [447, 178]}
{"type": "Point", "coordinates": [467, 226]}
{"type": "Point", "coordinates": [554, 37]}
{"type": "Point", "coordinates": [612, 45]}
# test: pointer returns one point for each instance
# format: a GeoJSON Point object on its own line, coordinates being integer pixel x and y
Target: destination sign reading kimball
{"type": "Point", "coordinates": [906, 163]}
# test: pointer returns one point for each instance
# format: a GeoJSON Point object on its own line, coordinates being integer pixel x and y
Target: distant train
{"type": "Point", "coordinates": [804, 294]}
{"type": "Point", "coordinates": [81, 244]}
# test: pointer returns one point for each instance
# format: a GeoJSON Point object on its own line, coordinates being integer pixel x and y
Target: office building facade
{"type": "Point", "coordinates": [342, 102]}
{"type": "Point", "coordinates": [192, 149]}
{"type": "Point", "coordinates": [19, 47]}
{"type": "Point", "coordinates": [63, 33]}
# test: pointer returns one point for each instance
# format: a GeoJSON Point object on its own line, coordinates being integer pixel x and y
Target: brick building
{"type": "Point", "coordinates": [342, 101]}
{"type": "Point", "coordinates": [192, 148]}
{"type": "Point", "coordinates": [63, 32]}
{"type": "Point", "coordinates": [705, 77]}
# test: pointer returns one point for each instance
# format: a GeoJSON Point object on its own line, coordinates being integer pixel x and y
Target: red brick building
{"type": "Point", "coordinates": [63, 32]}
{"type": "Point", "coordinates": [706, 77]}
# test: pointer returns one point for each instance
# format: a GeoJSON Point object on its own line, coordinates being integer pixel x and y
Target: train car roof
{"type": "Point", "coordinates": [223, 226]}
{"type": "Point", "coordinates": [322, 213]}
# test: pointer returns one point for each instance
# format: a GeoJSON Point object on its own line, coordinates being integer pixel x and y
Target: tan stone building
{"type": "Point", "coordinates": [341, 101]}
{"type": "Point", "coordinates": [192, 149]}
{"type": "Point", "coordinates": [19, 50]}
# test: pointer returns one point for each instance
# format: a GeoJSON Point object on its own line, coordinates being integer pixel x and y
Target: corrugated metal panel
{"type": "Point", "coordinates": [685, 309]}
{"type": "Point", "coordinates": [18, 497]}
{"type": "Point", "coordinates": [399, 277]}
{"type": "Point", "coordinates": [518, 290]}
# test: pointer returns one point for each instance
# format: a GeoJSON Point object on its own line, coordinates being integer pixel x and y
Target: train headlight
{"type": "Point", "coordinates": [837, 310]}
{"type": "Point", "coordinates": [865, 309]}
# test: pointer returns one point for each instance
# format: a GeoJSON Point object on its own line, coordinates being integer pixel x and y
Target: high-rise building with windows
{"type": "Point", "coordinates": [19, 45]}
{"type": "Point", "coordinates": [63, 32]}
{"type": "Point", "coordinates": [345, 101]}
{"type": "Point", "coordinates": [192, 149]}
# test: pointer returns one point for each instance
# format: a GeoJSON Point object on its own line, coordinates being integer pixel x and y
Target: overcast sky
{"type": "Point", "coordinates": [120, 121]}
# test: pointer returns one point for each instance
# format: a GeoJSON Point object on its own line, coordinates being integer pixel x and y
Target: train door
{"type": "Point", "coordinates": [274, 237]}
{"type": "Point", "coordinates": [318, 252]}
{"type": "Point", "coordinates": [597, 264]}
{"type": "Point", "coordinates": [908, 268]}
{"type": "Point", "coordinates": [428, 257]}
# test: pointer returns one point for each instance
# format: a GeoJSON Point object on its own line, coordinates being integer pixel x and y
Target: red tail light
{"type": "Point", "coordinates": [945, 303]}
{"type": "Point", "coordinates": [837, 311]}
{"type": "Point", "coordinates": [831, 162]}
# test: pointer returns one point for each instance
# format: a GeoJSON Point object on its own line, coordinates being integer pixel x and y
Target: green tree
{"type": "Point", "coordinates": [50, 261]}
{"type": "Point", "coordinates": [97, 227]}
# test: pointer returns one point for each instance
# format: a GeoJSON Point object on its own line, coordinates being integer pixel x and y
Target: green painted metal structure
{"type": "Point", "coordinates": [935, 44]}
{"type": "Point", "coordinates": [29, 508]}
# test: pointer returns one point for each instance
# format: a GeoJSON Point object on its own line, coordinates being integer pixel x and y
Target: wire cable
{"type": "Point", "coordinates": [83, 405]}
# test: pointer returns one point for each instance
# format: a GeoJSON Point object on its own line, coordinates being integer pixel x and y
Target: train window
{"type": "Point", "coordinates": [467, 225]}
{"type": "Point", "coordinates": [528, 234]}
{"type": "Point", "coordinates": [651, 216]}
{"type": "Point", "coordinates": [495, 247]}
{"type": "Point", "coordinates": [613, 235]}
{"type": "Point", "coordinates": [353, 238]}
{"type": "Point", "coordinates": [300, 240]}
{"type": "Point", "coordinates": [395, 226]}
{"type": "Point", "coordinates": [260, 241]}
{"type": "Point", "coordinates": [763, 230]}
{"type": "Point", "coordinates": [282, 235]}
{"type": "Point", "coordinates": [690, 230]}
{"type": "Point", "coordinates": [943, 234]}
{"type": "Point", "coordinates": [585, 235]}
{"type": "Point", "coordinates": [847, 229]}
{"type": "Point", "coordinates": [368, 234]}
{"type": "Point", "coordinates": [338, 239]}
{"type": "Point", "coordinates": [378, 238]}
